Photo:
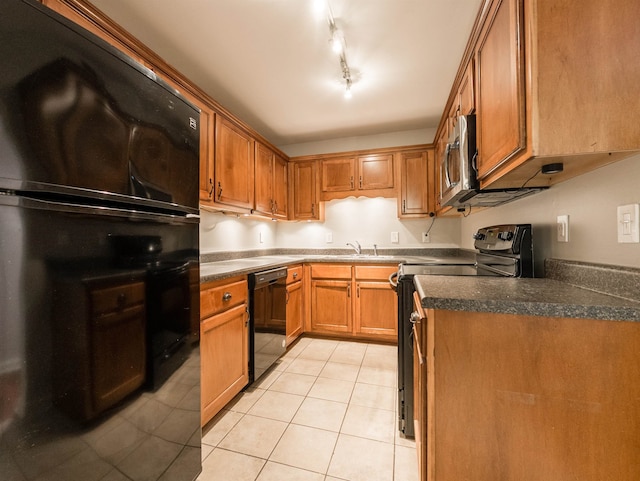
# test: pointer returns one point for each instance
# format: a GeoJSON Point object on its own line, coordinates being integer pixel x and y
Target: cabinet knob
{"type": "Point", "coordinates": [226, 296]}
{"type": "Point", "coordinates": [295, 275]}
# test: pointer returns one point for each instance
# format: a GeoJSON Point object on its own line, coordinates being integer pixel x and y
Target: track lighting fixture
{"type": "Point", "coordinates": [339, 46]}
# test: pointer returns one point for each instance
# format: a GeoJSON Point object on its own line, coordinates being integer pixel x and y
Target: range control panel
{"type": "Point", "coordinates": [508, 238]}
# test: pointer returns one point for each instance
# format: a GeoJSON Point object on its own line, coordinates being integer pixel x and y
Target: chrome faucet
{"type": "Point", "coordinates": [356, 247]}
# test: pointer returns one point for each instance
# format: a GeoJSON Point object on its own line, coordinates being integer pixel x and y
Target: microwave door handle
{"type": "Point", "coordinates": [450, 147]}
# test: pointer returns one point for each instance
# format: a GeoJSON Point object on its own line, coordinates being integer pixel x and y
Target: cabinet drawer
{"type": "Point", "coordinates": [294, 274]}
{"type": "Point", "coordinates": [331, 271]}
{"type": "Point", "coordinates": [221, 297]}
{"type": "Point", "coordinates": [379, 273]}
{"type": "Point", "coordinates": [116, 298]}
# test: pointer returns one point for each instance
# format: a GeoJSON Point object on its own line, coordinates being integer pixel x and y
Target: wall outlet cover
{"type": "Point", "coordinates": [329, 237]}
{"type": "Point", "coordinates": [394, 238]}
{"type": "Point", "coordinates": [563, 228]}
{"type": "Point", "coordinates": [426, 237]}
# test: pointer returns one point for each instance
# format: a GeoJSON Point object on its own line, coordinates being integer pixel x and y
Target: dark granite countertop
{"type": "Point", "coordinates": [536, 297]}
{"type": "Point", "coordinates": [222, 269]}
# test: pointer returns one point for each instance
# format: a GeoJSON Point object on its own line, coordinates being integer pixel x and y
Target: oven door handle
{"type": "Point", "coordinates": [414, 331]}
{"type": "Point", "coordinates": [393, 281]}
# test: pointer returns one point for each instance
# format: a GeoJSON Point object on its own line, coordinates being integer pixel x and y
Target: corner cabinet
{"type": "Point", "coordinates": [352, 301]}
{"type": "Point", "coordinates": [304, 191]}
{"type": "Point", "coordinates": [224, 343]}
{"type": "Point", "coordinates": [271, 180]}
{"type": "Point", "coordinates": [417, 192]}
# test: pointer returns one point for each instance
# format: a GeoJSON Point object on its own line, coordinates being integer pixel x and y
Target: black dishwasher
{"type": "Point", "coordinates": [267, 319]}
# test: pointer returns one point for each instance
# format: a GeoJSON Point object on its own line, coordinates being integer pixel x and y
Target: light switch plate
{"type": "Point", "coordinates": [394, 237]}
{"type": "Point", "coordinates": [628, 226]}
{"type": "Point", "coordinates": [329, 237]}
{"type": "Point", "coordinates": [563, 228]}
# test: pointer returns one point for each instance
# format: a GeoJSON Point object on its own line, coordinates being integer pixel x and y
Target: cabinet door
{"type": "Point", "coordinates": [294, 317]}
{"type": "Point", "coordinates": [375, 172]}
{"type": "Point", "coordinates": [224, 350]}
{"type": "Point", "coordinates": [466, 91]}
{"type": "Point", "coordinates": [264, 179]}
{"type": "Point", "coordinates": [376, 310]}
{"type": "Point", "coordinates": [500, 99]}
{"type": "Point", "coordinates": [331, 305]}
{"type": "Point", "coordinates": [234, 169]}
{"type": "Point", "coordinates": [338, 175]}
{"type": "Point", "coordinates": [206, 154]}
{"type": "Point", "coordinates": [304, 191]}
{"type": "Point", "coordinates": [280, 187]}
{"type": "Point", "coordinates": [417, 186]}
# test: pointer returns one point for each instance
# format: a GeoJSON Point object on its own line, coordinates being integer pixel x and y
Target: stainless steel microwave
{"type": "Point", "coordinates": [457, 170]}
{"type": "Point", "coordinates": [459, 186]}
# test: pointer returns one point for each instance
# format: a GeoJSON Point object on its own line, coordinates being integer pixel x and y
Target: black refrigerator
{"type": "Point", "coordinates": [99, 261]}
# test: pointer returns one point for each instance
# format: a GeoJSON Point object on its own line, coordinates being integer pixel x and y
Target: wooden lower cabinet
{"type": "Point", "coordinates": [295, 304]}
{"type": "Point", "coordinates": [532, 398]}
{"type": "Point", "coordinates": [353, 301]}
{"type": "Point", "coordinates": [224, 343]}
{"type": "Point", "coordinates": [99, 348]}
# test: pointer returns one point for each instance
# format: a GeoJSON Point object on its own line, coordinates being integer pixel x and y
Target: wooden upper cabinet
{"type": "Point", "coordinates": [338, 175]}
{"type": "Point", "coordinates": [501, 132]}
{"type": "Point", "coordinates": [270, 183]}
{"type": "Point", "coordinates": [466, 91]}
{"type": "Point", "coordinates": [304, 191]}
{"type": "Point", "coordinates": [207, 130]}
{"type": "Point", "coordinates": [417, 191]}
{"type": "Point", "coordinates": [375, 172]}
{"type": "Point", "coordinates": [234, 165]}
{"type": "Point", "coordinates": [367, 174]}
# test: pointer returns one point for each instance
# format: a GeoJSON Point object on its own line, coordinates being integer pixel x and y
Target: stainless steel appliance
{"type": "Point", "coordinates": [459, 186]}
{"type": "Point", "coordinates": [502, 250]}
{"type": "Point", "coordinates": [99, 312]}
{"type": "Point", "coordinates": [267, 319]}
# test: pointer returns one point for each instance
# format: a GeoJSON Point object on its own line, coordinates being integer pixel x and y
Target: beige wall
{"type": "Point", "coordinates": [590, 201]}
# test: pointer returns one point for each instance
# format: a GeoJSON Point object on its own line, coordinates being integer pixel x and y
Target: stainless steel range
{"type": "Point", "coordinates": [501, 250]}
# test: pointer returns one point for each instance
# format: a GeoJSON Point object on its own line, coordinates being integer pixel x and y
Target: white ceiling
{"type": "Point", "coordinates": [270, 63]}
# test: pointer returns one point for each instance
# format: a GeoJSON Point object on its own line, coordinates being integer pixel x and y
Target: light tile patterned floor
{"type": "Point", "coordinates": [327, 412]}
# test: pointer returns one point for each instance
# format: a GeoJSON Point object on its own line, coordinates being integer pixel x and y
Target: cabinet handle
{"type": "Point", "coordinates": [351, 180]}
{"type": "Point", "coordinates": [349, 290]}
{"type": "Point", "coordinates": [313, 210]}
{"type": "Point", "coordinates": [226, 296]}
{"type": "Point", "coordinates": [361, 182]}
{"type": "Point", "coordinates": [219, 191]}
{"type": "Point", "coordinates": [404, 206]}
{"type": "Point", "coordinates": [274, 209]}
{"type": "Point", "coordinates": [358, 291]}
{"type": "Point", "coordinates": [212, 187]}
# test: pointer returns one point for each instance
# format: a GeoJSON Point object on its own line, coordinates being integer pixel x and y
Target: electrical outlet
{"type": "Point", "coordinates": [394, 238]}
{"type": "Point", "coordinates": [329, 237]}
{"type": "Point", "coordinates": [563, 228]}
{"type": "Point", "coordinates": [260, 237]}
{"type": "Point", "coordinates": [426, 238]}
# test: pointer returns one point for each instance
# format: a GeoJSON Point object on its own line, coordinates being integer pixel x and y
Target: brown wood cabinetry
{"type": "Point", "coordinates": [295, 303]}
{"type": "Point", "coordinates": [352, 301]}
{"type": "Point", "coordinates": [304, 191]}
{"type": "Point", "coordinates": [331, 304]}
{"type": "Point", "coordinates": [417, 192]}
{"type": "Point", "coordinates": [554, 82]}
{"type": "Point", "coordinates": [207, 153]}
{"type": "Point", "coordinates": [224, 343]}
{"type": "Point", "coordinates": [371, 175]}
{"type": "Point", "coordinates": [420, 379]}
{"type": "Point", "coordinates": [233, 166]}
{"type": "Point", "coordinates": [376, 304]}
{"type": "Point", "coordinates": [271, 176]}
{"type": "Point", "coordinates": [550, 398]}
{"type": "Point", "coordinates": [501, 130]}
{"type": "Point", "coordinates": [99, 352]}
